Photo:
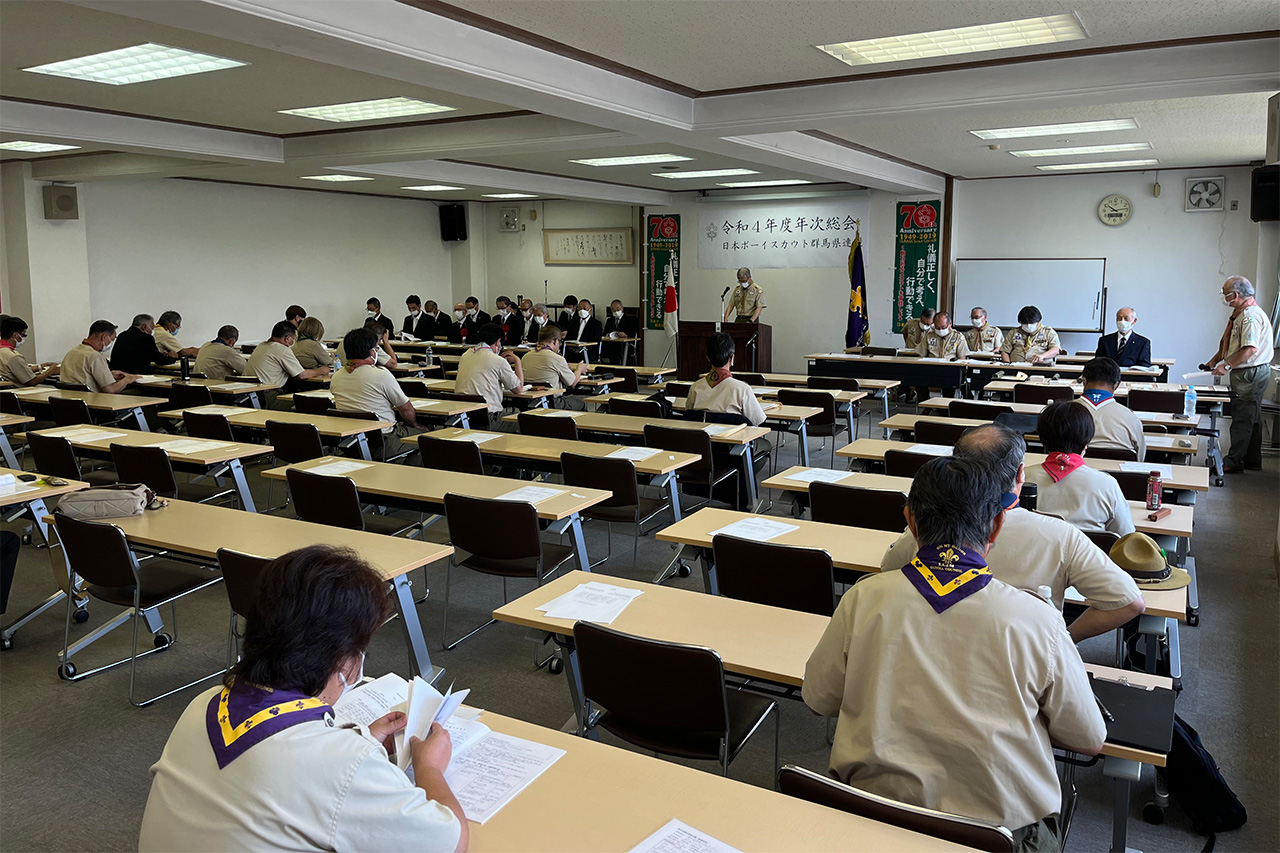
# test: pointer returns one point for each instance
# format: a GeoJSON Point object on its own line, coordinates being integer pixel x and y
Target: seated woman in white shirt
{"type": "Point", "coordinates": [1088, 498]}
{"type": "Point", "coordinates": [258, 764]}
{"type": "Point", "coordinates": [718, 391]}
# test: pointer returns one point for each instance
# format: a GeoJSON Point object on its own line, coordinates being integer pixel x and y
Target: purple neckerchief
{"type": "Point", "coordinates": [1097, 396]}
{"type": "Point", "coordinates": [241, 716]}
{"type": "Point", "coordinates": [947, 574]}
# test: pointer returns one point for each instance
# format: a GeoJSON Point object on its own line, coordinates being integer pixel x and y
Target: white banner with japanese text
{"type": "Point", "coordinates": [780, 234]}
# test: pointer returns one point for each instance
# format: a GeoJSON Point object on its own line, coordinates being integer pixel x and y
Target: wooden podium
{"type": "Point", "coordinates": [750, 356]}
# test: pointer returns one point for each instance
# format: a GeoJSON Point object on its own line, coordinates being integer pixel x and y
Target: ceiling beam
{"type": "Point", "coordinates": [96, 167]}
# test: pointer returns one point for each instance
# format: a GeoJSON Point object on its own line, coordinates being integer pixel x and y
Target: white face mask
{"type": "Point", "coordinates": [541, 319]}
{"type": "Point", "coordinates": [347, 687]}
{"type": "Point", "coordinates": [978, 322]}
{"type": "Point", "coordinates": [372, 313]}
{"type": "Point", "coordinates": [474, 312]}
{"type": "Point", "coordinates": [458, 315]}
{"type": "Point", "coordinates": [617, 315]}
{"type": "Point", "coordinates": [1123, 326]}
{"type": "Point", "coordinates": [1029, 327]}
{"type": "Point", "coordinates": [942, 333]}
{"type": "Point", "coordinates": [414, 313]}
{"type": "Point", "coordinates": [924, 327]}
{"type": "Point", "coordinates": [584, 313]}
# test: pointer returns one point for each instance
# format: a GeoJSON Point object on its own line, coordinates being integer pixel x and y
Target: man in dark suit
{"type": "Point", "coordinates": [477, 317]}
{"type": "Point", "coordinates": [507, 317]}
{"type": "Point", "coordinates": [569, 316]}
{"type": "Point", "coordinates": [135, 349]}
{"type": "Point", "coordinates": [585, 328]}
{"type": "Point", "coordinates": [436, 324]}
{"type": "Point", "coordinates": [1126, 348]}
{"type": "Point", "coordinates": [618, 325]}
{"type": "Point", "coordinates": [418, 323]}
{"type": "Point", "coordinates": [374, 306]}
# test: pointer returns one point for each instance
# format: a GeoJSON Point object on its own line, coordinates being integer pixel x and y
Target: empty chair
{"type": "Point", "coordinates": [70, 386]}
{"type": "Point", "coordinates": [784, 576]}
{"type": "Point", "coordinates": [691, 716]}
{"type": "Point", "coordinates": [1167, 402]}
{"type": "Point", "coordinates": [1029, 392]}
{"type": "Point", "coordinates": [11, 404]}
{"type": "Point", "coordinates": [1124, 454]}
{"type": "Point", "coordinates": [239, 574]}
{"type": "Point", "coordinates": [547, 426]}
{"type": "Point", "coordinates": [625, 506]}
{"type": "Point", "coordinates": [208, 425]}
{"type": "Point", "coordinates": [518, 552]}
{"type": "Point", "coordinates": [630, 383]}
{"type": "Point", "coordinates": [69, 411]}
{"type": "Point", "coordinates": [855, 506]}
{"type": "Point", "coordinates": [307, 404]}
{"type": "Point", "coordinates": [294, 442]}
{"type": "Point", "coordinates": [977, 411]}
{"type": "Point", "coordinates": [184, 396]}
{"type": "Point", "coordinates": [151, 466]}
{"type": "Point", "coordinates": [481, 418]}
{"type": "Point", "coordinates": [99, 553]}
{"type": "Point", "coordinates": [938, 432]}
{"type": "Point", "coordinates": [823, 425]}
{"type": "Point", "coordinates": [750, 378]}
{"type": "Point", "coordinates": [1133, 484]}
{"type": "Point", "coordinates": [636, 408]}
{"type": "Point", "coordinates": [967, 832]}
{"type": "Point", "coordinates": [677, 390]}
{"type": "Point", "coordinates": [55, 457]}
{"type": "Point", "coordinates": [443, 454]}
{"type": "Point", "coordinates": [335, 501]}
{"type": "Point", "coordinates": [709, 476]}
{"type": "Point", "coordinates": [834, 383]}
{"type": "Point", "coordinates": [903, 463]}
{"type": "Point", "coordinates": [415, 388]}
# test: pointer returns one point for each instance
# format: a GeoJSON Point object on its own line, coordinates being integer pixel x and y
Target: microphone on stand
{"type": "Point", "coordinates": [726, 292]}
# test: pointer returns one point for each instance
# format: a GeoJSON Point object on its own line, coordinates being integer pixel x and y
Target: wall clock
{"type": "Point", "coordinates": [1205, 194]}
{"type": "Point", "coordinates": [1115, 209]}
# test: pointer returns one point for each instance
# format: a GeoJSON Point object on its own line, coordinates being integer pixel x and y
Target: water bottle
{"type": "Point", "coordinates": [185, 363]}
{"type": "Point", "coordinates": [1155, 491]}
{"type": "Point", "coordinates": [1189, 402]}
{"type": "Point", "coordinates": [337, 362]}
{"type": "Point", "coordinates": [1029, 496]}
{"type": "Point", "coordinates": [1046, 592]}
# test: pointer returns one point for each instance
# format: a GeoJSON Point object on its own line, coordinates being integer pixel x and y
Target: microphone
{"type": "Point", "coordinates": [726, 291]}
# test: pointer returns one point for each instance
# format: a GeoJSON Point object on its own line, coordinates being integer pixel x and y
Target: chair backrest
{"type": "Point", "coordinates": [1168, 402]}
{"type": "Point", "coordinates": [68, 411]}
{"type": "Point", "coordinates": [479, 419]}
{"type": "Point", "coordinates": [613, 667]}
{"type": "Point", "coordinates": [11, 404]}
{"type": "Point", "coordinates": [149, 465]}
{"type": "Point", "coordinates": [1030, 392]}
{"type": "Point", "coordinates": [748, 570]}
{"type": "Point", "coordinates": [677, 390]}
{"type": "Point", "coordinates": [1104, 539]}
{"type": "Point", "coordinates": [597, 472]}
{"type": "Point", "coordinates": [1021, 423]}
{"type": "Point", "coordinates": [879, 350]}
{"type": "Point", "coordinates": [184, 396]}
{"type": "Point", "coordinates": [939, 432]}
{"type": "Point", "coordinates": [374, 437]}
{"type": "Point", "coordinates": [630, 383]}
{"type": "Point", "coordinates": [903, 463]}
{"type": "Point", "coordinates": [322, 499]}
{"type": "Point", "coordinates": [1133, 484]}
{"type": "Point", "coordinates": [834, 383]}
{"type": "Point", "coordinates": [442, 454]}
{"type": "Point", "coordinates": [294, 442]}
{"type": "Point", "coordinates": [210, 425]}
{"type": "Point", "coordinates": [415, 388]}
{"type": "Point", "coordinates": [637, 408]}
{"type": "Point", "coordinates": [731, 418]}
{"type": "Point", "coordinates": [976, 411]}
{"type": "Point", "coordinates": [855, 506]}
{"type": "Point", "coordinates": [97, 551]}
{"type": "Point", "coordinates": [679, 440]}
{"type": "Point", "coordinates": [968, 832]}
{"type": "Point", "coordinates": [311, 405]}
{"type": "Point", "coordinates": [547, 426]}
{"type": "Point", "coordinates": [816, 399]}
{"type": "Point", "coordinates": [70, 386]}
{"type": "Point", "coordinates": [240, 574]}
{"type": "Point", "coordinates": [749, 378]}
{"type": "Point", "coordinates": [1156, 429]}
{"type": "Point", "coordinates": [498, 530]}
{"type": "Point", "coordinates": [1088, 352]}
{"type": "Point", "coordinates": [1124, 454]}
{"type": "Point", "coordinates": [53, 456]}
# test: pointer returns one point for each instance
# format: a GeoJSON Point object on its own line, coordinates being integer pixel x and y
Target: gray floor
{"type": "Point", "coordinates": [74, 757]}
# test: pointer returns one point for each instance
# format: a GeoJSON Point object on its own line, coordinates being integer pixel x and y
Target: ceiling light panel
{"type": "Point", "coordinates": [434, 188]}
{"type": "Point", "coordinates": [334, 178]}
{"type": "Point", "coordinates": [35, 147]}
{"type": "Point", "coordinates": [1113, 164]}
{"type": "Point", "coordinates": [707, 173]}
{"type": "Point", "coordinates": [137, 64]}
{"type": "Point", "coordinates": [369, 110]}
{"type": "Point", "coordinates": [1057, 129]}
{"type": "Point", "coordinates": [1083, 149]}
{"type": "Point", "coordinates": [508, 195]}
{"type": "Point", "coordinates": [962, 40]}
{"type": "Point", "coordinates": [783, 183]}
{"type": "Point", "coordinates": [635, 160]}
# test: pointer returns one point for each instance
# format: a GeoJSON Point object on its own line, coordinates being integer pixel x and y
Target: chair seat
{"type": "Point", "coordinates": [197, 492]}
{"type": "Point", "coordinates": [626, 514]}
{"type": "Point", "coordinates": [746, 712]}
{"type": "Point", "coordinates": [161, 581]}
{"type": "Point", "coordinates": [553, 556]}
{"type": "Point", "coordinates": [386, 524]}
{"type": "Point", "coordinates": [824, 430]}
{"type": "Point", "coordinates": [100, 478]}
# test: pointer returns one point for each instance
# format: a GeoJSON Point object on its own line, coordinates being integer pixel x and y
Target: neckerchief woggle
{"type": "Point", "coordinates": [1058, 465]}
{"type": "Point", "coordinates": [717, 375]}
{"type": "Point", "coordinates": [242, 716]}
{"type": "Point", "coordinates": [1097, 396]}
{"type": "Point", "coordinates": [947, 574]}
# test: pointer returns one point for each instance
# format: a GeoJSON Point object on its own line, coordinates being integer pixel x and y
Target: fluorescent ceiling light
{"type": "Point", "coordinates": [508, 195]}
{"type": "Point", "coordinates": [367, 110]}
{"type": "Point", "coordinates": [35, 147]}
{"type": "Point", "coordinates": [635, 160]}
{"type": "Point", "coordinates": [136, 64]}
{"type": "Point", "coordinates": [707, 173]}
{"type": "Point", "coordinates": [434, 188]}
{"type": "Point", "coordinates": [976, 39]}
{"type": "Point", "coordinates": [1057, 129]}
{"type": "Point", "coordinates": [1114, 164]}
{"type": "Point", "coordinates": [334, 178]}
{"type": "Point", "coordinates": [1083, 149]}
{"type": "Point", "coordinates": [783, 183]}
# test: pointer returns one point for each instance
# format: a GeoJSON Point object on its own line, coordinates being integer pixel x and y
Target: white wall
{"type": "Point", "coordinates": [219, 253]}
{"type": "Point", "coordinates": [1166, 263]}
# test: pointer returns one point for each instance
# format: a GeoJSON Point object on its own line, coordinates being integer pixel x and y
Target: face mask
{"type": "Point", "coordinates": [473, 311]}
{"type": "Point", "coordinates": [527, 313]}
{"type": "Point", "coordinates": [348, 687]}
{"type": "Point", "coordinates": [414, 313]}
{"type": "Point", "coordinates": [541, 319]}
{"type": "Point", "coordinates": [372, 313]}
{"type": "Point", "coordinates": [617, 315]}
{"type": "Point", "coordinates": [1029, 327]}
{"type": "Point", "coordinates": [942, 333]}
{"type": "Point", "coordinates": [978, 322]}
{"type": "Point", "coordinates": [458, 315]}
{"type": "Point", "coordinates": [1226, 301]}
{"type": "Point", "coordinates": [1123, 325]}
{"type": "Point", "coordinates": [924, 327]}
{"type": "Point", "coordinates": [584, 313]}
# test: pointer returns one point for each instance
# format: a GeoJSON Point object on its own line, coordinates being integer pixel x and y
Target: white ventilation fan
{"type": "Point", "coordinates": [509, 219]}
{"type": "Point", "coordinates": [1204, 194]}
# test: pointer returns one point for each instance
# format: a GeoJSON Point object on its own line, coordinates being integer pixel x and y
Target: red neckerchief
{"type": "Point", "coordinates": [717, 375]}
{"type": "Point", "coordinates": [7, 344]}
{"type": "Point", "coordinates": [1058, 465]}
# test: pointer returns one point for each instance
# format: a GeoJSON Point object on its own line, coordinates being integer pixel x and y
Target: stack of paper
{"type": "Point", "coordinates": [1166, 471]}
{"type": "Point", "coordinates": [476, 437]}
{"type": "Point", "coordinates": [530, 494]}
{"type": "Point", "coordinates": [721, 429]}
{"type": "Point", "coordinates": [337, 469]}
{"type": "Point", "coordinates": [633, 453]}
{"type": "Point", "coordinates": [84, 433]}
{"type": "Point", "coordinates": [819, 475]}
{"type": "Point", "coordinates": [591, 602]}
{"type": "Point", "coordinates": [191, 445]}
{"type": "Point", "coordinates": [217, 410]}
{"type": "Point", "coordinates": [679, 837]}
{"type": "Point", "coordinates": [425, 404]}
{"type": "Point", "coordinates": [756, 528]}
{"type": "Point", "coordinates": [231, 386]}
{"type": "Point", "coordinates": [150, 378]}
{"type": "Point", "coordinates": [929, 449]}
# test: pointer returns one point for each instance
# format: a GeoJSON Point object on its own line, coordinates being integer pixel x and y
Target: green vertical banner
{"type": "Point", "coordinates": [664, 255]}
{"type": "Point", "coordinates": [915, 283]}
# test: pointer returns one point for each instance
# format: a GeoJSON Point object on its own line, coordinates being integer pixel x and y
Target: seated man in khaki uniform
{"type": "Point", "coordinates": [747, 300]}
{"type": "Point", "coordinates": [718, 391]}
{"type": "Point", "coordinates": [1032, 341]}
{"type": "Point", "coordinates": [941, 341]}
{"type": "Point", "coordinates": [220, 358]}
{"type": "Point", "coordinates": [1115, 426]}
{"type": "Point", "coordinates": [87, 363]}
{"type": "Point", "coordinates": [546, 366]}
{"type": "Point", "coordinates": [983, 337]}
{"type": "Point", "coordinates": [166, 335]}
{"type": "Point", "coordinates": [274, 363]}
{"type": "Point", "coordinates": [362, 386]}
{"type": "Point", "coordinates": [915, 328]}
{"type": "Point", "coordinates": [951, 687]}
{"type": "Point", "coordinates": [485, 373]}
{"type": "Point", "coordinates": [13, 364]}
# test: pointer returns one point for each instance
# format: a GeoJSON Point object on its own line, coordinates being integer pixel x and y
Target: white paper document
{"type": "Point", "coordinates": [757, 528]}
{"type": "Point", "coordinates": [494, 770]}
{"type": "Point", "coordinates": [476, 437]}
{"type": "Point", "coordinates": [192, 445]}
{"type": "Point", "coordinates": [1166, 471]}
{"type": "Point", "coordinates": [767, 406]}
{"type": "Point", "coordinates": [426, 705]}
{"type": "Point", "coordinates": [819, 475]}
{"type": "Point", "coordinates": [1198, 377]}
{"type": "Point", "coordinates": [372, 701]}
{"type": "Point", "coordinates": [16, 487]}
{"type": "Point", "coordinates": [929, 449]}
{"type": "Point", "coordinates": [328, 395]}
{"type": "Point", "coordinates": [591, 602]}
{"type": "Point", "coordinates": [217, 410]}
{"type": "Point", "coordinates": [721, 429]}
{"type": "Point", "coordinates": [337, 469]}
{"type": "Point", "coordinates": [30, 392]}
{"type": "Point", "coordinates": [557, 413]}
{"type": "Point", "coordinates": [679, 837]}
{"type": "Point", "coordinates": [425, 404]}
{"type": "Point", "coordinates": [231, 386]}
{"type": "Point", "coordinates": [633, 453]}
{"type": "Point", "coordinates": [628, 397]}
{"type": "Point", "coordinates": [151, 378]}
{"type": "Point", "coordinates": [84, 433]}
{"type": "Point", "coordinates": [530, 494]}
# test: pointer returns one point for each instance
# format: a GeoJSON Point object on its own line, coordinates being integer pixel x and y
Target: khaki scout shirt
{"type": "Point", "coordinates": [987, 339]}
{"type": "Point", "coordinates": [933, 345]}
{"type": "Point", "coordinates": [1020, 346]}
{"type": "Point", "coordinates": [745, 300]}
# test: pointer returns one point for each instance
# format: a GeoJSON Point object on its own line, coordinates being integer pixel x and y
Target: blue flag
{"type": "Point", "coordinates": [858, 332]}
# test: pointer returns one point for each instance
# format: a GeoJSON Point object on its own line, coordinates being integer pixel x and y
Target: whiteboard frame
{"type": "Point", "coordinates": [1102, 312]}
{"type": "Point", "coordinates": [625, 231]}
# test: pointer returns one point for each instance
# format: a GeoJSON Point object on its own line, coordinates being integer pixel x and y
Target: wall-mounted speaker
{"type": "Point", "coordinates": [60, 202]}
{"type": "Point", "coordinates": [453, 223]}
{"type": "Point", "coordinates": [1264, 196]}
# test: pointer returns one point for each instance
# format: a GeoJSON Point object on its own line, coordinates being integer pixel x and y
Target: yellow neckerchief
{"type": "Point", "coordinates": [717, 375]}
{"type": "Point", "coordinates": [231, 734]}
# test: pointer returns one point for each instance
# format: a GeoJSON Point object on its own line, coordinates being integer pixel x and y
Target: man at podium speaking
{"type": "Point", "coordinates": [747, 300]}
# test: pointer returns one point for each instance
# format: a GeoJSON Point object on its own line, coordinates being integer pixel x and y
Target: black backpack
{"type": "Point", "coordinates": [1196, 782]}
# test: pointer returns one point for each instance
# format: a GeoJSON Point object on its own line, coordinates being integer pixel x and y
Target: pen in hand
{"type": "Point", "coordinates": [1103, 708]}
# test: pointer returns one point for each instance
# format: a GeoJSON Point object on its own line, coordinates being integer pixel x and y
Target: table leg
{"type": "Point", "coordinates": [670, 482]}
{"type": "Point", "coordinates": [1125, 772]}
{"type": "Point", "coordinates": [573, 675]}
{"type": "Point", "coordinates": [749, 470]}
{"type": "Point", "coordinates": [419, 657]}
{"type": "Point", "coordinates": [884, 401]}
{"type": "Point", "coordinates": [710, 583]}
{"type": "Point", "coordinates": [7, 450]}
{"type": "Point", "coordinates": [141, 418]}
{"type": "Point", "coordinates": [579, 542]}
{"type": "Point", "coordinates": [242, 486]}
{"type": "Point", "coordinates": [362, 441]}
{"type": "Point", "coordinates": [804, 443]}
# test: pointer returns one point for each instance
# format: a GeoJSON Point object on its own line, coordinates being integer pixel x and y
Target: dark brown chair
{"type": "Point", "coordinates": [415, 388]}
{"type": "Point", "coordinates": [939, 432]}
{"type": "Point", "coordinates": [376, 440]}
{"type": "Point", "coordinates": [636, 408]}
{"type": "Point", "coordinates": [208, 425]}
{"type": "Point", "coordinates": [977, 411]}
{"type": "Point", "coordinates": [1124, 454]}
{"type": "Point", "coordinates": [967, 832]}
{"type": "Point", "coordinates": [626, 506]}
{"type": "Point", "coordinates": [630, 383]}
{"type": "Point", "coordinates": [307, 404]}
{"type": "Point", "coordinates": [294, 442]}
{"type": "Point", "coordinates": [151, 466]}
{"type": "Point", "coordinates": [480, 419]}
{"type": "Point", "coordinates": [855, 506]}
{"type": "Point", "coordinates": [11, 404]}
{"type": "Point", "coordinates": [1166, 402]}
{"type": "Point", "coordinates": [54, 456]}
{"type": "Point", "coordinates": [889, 351]}
{"type": "Point", "coordinates": [1104, 539]}
{"type": "Point", "coordinates": [1133, 484]}
{"type": "Point", "coordinates": [184, 396]}
{"type": "Point", "coordinates": [335, 501]}
{"type": "Point", "coordinates": [70, 386]}
{"type": "Point", "coordinates": [1041, 394]}
{"type": "Point", "coordinates": [99, 553]}
{"type": "Point", "coordinates": [1155, 429]}
{"type": "Point", "coordinates": [708, 476]}
{"type": "Point", "coordinates": [239, 574]}
{"type": "Point", "coordinates": [69, 411]}
{"type": "Point", "coordinates": [903, 463]}
{"type": "Point", "coordinates": [785, 576]}
{"type": "Point", "coordinates": [547, 426]}
{"type": "Point", "coordinates": [753, 379]}
{"type": "Point", "coordinates": [692, 716]}
{"type": "Point", "coordinates": [823, 425]}
{"type": "Point", "coordinates": [444, 454]}
{"type": "Point", "coordinates": [834, 383]}
{"type": "Point", "coordinates": [516, 552]}
{"type": "Point", "coordinates": [677, 390]}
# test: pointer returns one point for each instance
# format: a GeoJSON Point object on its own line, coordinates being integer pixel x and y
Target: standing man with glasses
{"type": "Point", "coordinates": [1244, 357]}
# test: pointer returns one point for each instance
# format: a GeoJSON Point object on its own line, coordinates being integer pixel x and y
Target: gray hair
{"type": "Point", "coordinates": [954, 502]}
{"type": "Point", "coordinates": [1241, 285]}
{"type": "Point", "coordinates": [140, 320]}
{"type": "Point", "coordinates": [979, 309]}
{"type": "Point", "coordinates": [540, 306]}
{"type": "Point", "coordinates": [997, 449]}
{"type": "Point", "coordinates": [170, 317]}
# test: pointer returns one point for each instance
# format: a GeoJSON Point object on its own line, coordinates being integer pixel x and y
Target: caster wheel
{"type": "Point", "coordinates": [6, 643]}
{"type": "Point", "coordinates": [1152, 813]}
{"type": "Point", "coordinates": [162, 640]}
{"type": "Point", "coordinates": [81, 616]}
{"type": "Point", "coordinates": [555, 666]}
{"type": "Point", "coordinates": [1193, 619]}
{"type": "Point", "coordinates": [67, 671]}
{"type": "Point", "coordinates": [1218, 481]}
{"type": "Point", "coordinates": [26, 539]}
{"type": "Point", "coordinates": [683, 571]}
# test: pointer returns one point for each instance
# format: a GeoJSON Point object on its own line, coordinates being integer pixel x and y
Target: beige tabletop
{"type": "Point", "coordinates": [1165, 443]}
{"type": "Point", "coordinates": [634, 425]}
{"type": "Point", "coordinates": [800, 382]}
{"type": "Point", "coordinates": [257, 418]}
{"type": "Point", "coordinates": [225, 451]}
{"type": "Point", "coordinates": [442, 408]}
{"type": "Point", "coordinates": [1088, 357]}
{"type": "Point", "coordinates": [93, 399]}
{"type": "Point", "coordinates": [620, 797]}
{"type": "Point", "coordinates": [243, 384]}
{"type": "Point", "coordinates": [1164, 419]}
{"type": "Point", "coordinates": [429, 485]}
{"type": "Point", "coordinates": [24, 491]}
{"type": "Point", "coordinates": [1005, 386]}
{"type": "Point", "coordinates": [639, 369]}
{"type": "Point", "coordinates": [534, 447]}
{"type": "Point", "coordinates": [7, 420]}
{"type": "Point", "coordinates": [449, 386]}
{"type": "Point", "coordinates": [772, 410]}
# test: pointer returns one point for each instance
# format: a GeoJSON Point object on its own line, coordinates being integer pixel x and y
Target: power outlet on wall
{"type": "Point", "coordinates": [1235, 205]}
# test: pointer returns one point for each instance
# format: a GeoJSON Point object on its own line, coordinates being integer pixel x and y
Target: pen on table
{"type": "Point", "coordinates": [1103, 708]}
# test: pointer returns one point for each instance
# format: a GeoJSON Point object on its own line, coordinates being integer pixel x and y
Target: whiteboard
{"type": "Point", "coordinates": [1070, 292]}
